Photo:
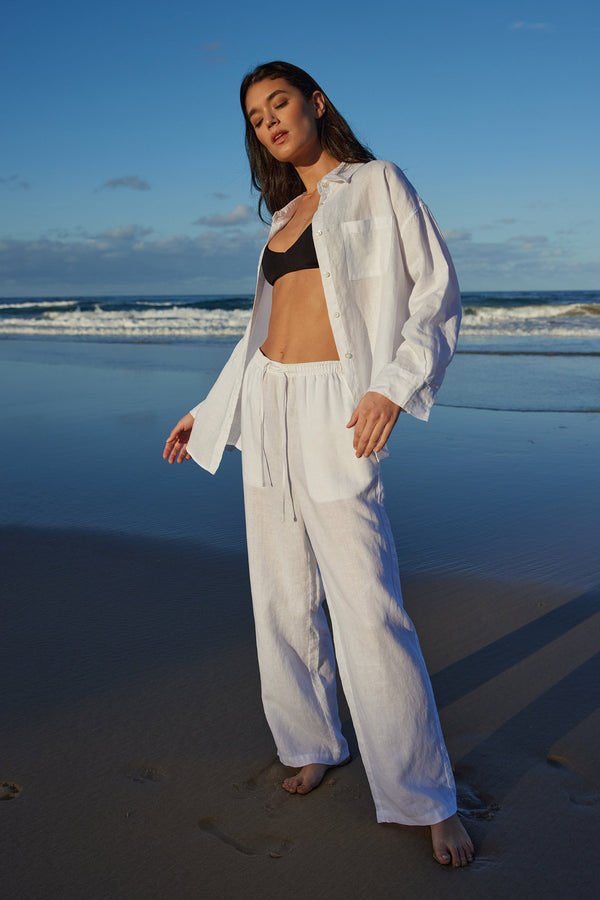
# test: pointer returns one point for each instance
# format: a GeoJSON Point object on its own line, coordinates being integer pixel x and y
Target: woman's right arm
{"type": "Point", "coordinates": [176, 445]}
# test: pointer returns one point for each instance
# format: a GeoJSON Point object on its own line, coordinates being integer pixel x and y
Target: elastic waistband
{"type": "Point", "coordinates": [321, 367]}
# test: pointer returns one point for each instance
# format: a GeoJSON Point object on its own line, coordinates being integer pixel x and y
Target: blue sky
{"type": "Point", "coordinates": [122, 168]}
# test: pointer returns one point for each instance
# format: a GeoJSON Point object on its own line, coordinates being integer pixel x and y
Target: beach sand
{"type": "Point", "coordinates": [135, 761]}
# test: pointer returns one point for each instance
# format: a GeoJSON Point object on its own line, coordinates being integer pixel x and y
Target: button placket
{"type": "Point", "coordinates": [330, 293]}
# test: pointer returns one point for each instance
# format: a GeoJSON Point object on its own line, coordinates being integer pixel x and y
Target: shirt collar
{"type": "Point", "coordinates": [343, 172]}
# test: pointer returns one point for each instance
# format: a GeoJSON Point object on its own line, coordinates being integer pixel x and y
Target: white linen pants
{"type": "Point", "coordinates": [316, 528]}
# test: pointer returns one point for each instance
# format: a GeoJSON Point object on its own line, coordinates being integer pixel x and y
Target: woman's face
{"type": "Point", "coordinates": [284, 122]}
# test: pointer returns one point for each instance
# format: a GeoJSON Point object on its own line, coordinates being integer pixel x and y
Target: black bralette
{"type": "Point", "coordinates": [301, 255]}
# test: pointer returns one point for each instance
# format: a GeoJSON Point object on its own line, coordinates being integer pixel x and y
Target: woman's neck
{"type": "Point", "coordinates": [312, 174]}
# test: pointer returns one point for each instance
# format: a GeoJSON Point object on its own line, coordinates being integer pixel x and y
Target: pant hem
{"type": "Point", "coordinates": [432, 818]}
{"type": "Point", "coordinates": [311, 759]}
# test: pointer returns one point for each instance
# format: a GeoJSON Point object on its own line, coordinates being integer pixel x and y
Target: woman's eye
{"type": "Point", "coordinates": [257, 124]}
{"type": "Point", "coordinates": [279, 105]}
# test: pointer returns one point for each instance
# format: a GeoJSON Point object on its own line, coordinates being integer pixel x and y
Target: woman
{"type": "Point", "coordinates": [355, 318]}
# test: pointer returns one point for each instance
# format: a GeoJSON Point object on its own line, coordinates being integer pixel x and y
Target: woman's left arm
{"type": "Point", "coordinates": [428, 300]}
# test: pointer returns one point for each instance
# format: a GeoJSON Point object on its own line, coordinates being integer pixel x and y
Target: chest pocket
{"type": "Point", "coordinates": [368, 244]}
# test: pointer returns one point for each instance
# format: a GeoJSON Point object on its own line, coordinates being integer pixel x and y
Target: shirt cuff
{"type": "Point", "coordinates": [415, 399]}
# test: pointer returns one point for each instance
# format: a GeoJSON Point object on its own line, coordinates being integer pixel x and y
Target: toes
{"type": "Point", "coordinates": [290, 785]}
{"type": "Point", "coordinates": [467, 853]}
{"type": "Point", "coordinates": [462, 856]}
{"type": "Point", "coordinates": [457, 856]}
{"type": "Point", "coordinates": [451, 843]}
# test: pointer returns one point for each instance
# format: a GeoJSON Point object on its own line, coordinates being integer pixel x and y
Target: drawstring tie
{"type": "Point", "coordinates": [286, 480]}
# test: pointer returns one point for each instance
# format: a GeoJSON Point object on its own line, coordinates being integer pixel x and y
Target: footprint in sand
{"type": "Point", "coordinates": [144, 772]}
{"type": "Point", "coordinates": [256, 845]}
{"type": "Point", "coordinates": [266, 786]}
{"type": "Point", "coordinates": [9, 790]}
{"type": "Point", "coordinates": [579, 791]}
{"type": "Point", "coordinates": [269, 777]}
{"type": "Point", "coordinates": [472, 803]}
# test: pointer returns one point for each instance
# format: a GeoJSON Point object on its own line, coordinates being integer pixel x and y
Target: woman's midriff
{"type": "Point", "coordinates": [299, 327]}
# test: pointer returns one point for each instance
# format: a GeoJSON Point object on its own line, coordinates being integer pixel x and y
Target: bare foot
{"type": "Point", "coordinates": [451, 843]}
{"type": "Point", "coordinates": [309, 777]}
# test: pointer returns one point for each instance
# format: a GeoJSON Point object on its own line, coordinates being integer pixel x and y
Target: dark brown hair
{"type": "Point", "coordinates": [276, 182]}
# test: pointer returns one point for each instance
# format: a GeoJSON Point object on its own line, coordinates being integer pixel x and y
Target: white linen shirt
{"type": "Point", "coordinates": [391, 292]}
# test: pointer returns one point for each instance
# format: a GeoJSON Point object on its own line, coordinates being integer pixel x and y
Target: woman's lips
{"type": "Point", "coordinates": [278, 137]}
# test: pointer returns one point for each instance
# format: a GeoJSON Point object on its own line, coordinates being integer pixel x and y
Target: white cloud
{"type": "Point", "coordinates": [529, 26]}
{"type": "Point", "coordinates": [130, 259]}
{"type": "Point", "coordinates": [133, 182]}
{"type": "Point", "coordinates": [523, 262]}
{"type": "Point", "coordinates": [528, 241]}
{"type": "Point", "coordinates": [126, 233]}
{"type": "Point", "coordinates": [489, 226]}
{"type": "Point", "coordinates": [577, 227]}
{"type": "Point", "coordinates": [122, 260]}
{"type": "Point", "coordinates": [241, 215]}
{"type": "Point", "coordinates": [211, 53]}
{"type": "Point", "coordinates": [457, 234]}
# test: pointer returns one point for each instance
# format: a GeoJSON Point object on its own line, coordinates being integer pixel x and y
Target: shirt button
{"type": "Point", "coordinates": [336, 315]}
{"type": "Point", "coordinates": [327, 274]}
{"type": "Point", "coordinates": [348, 356]}
{"type": "Point", "coordinates": [319, 233]}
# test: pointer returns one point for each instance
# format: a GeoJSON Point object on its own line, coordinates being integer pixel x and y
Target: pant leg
{"type": "Point", "coordinates": [295, 650]}
{"type": "Point", "coordinates": [381, 665]}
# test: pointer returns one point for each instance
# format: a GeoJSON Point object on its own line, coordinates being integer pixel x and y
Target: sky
{"type": "Point", "coordinates": [122, 163]}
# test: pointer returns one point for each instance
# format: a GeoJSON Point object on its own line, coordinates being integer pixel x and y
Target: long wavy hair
{"type": "Point", "coordinates": [277, 182]}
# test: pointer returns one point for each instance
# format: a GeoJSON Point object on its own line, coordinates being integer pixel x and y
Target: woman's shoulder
{"type": "Point", "coordinates": [389, 178]}
{"type": "Point", "coordinates": [384, 169]}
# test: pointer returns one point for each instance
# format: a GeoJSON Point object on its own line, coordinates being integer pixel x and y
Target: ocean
{"type": "Point", "coordinates": [559, 321]}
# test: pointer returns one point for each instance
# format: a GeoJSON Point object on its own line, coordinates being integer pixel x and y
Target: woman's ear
{"type": "Point", "coordinates": [319, 104]}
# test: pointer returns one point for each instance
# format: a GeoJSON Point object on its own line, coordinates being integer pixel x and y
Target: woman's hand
{"type": "Point", "coordinates": [176, 446]}
{"type": "Point", "coordinates": [373, 418]}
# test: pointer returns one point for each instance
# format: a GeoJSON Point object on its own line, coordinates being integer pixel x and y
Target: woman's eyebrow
{"type": "Point", "coordinates": [253, 111]}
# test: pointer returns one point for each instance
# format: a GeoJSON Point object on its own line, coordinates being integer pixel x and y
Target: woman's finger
{"type": "Point", "coordinates": [359, 434]}
{"type": "Point", "coordinates": [176, 449]}
{"type": "Point", "coordinates": [353, 419]}
{"type": "Point", "coordinates": [168, 447]}
{"type": "Point", "coordinates": [365, 439]}
{"type": "Point", "coordinates": [375, 435]}
{"type": "Point", "coordinates": [373, 440]}
{"type": "Point", "coordinates": [380, 444]}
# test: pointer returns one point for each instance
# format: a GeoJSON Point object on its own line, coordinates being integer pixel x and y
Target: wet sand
{"type": "Point", "coordinates": [135, 759]}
